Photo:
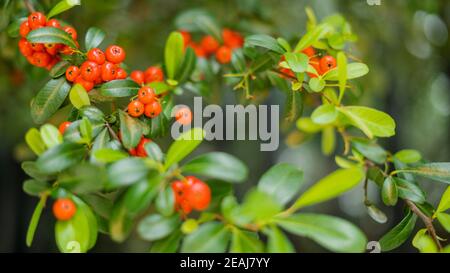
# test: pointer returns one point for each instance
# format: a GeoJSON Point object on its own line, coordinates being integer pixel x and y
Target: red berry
{"type": "Point", "coordinates": [135, 108]}
{"type": "Point", "coordinates": [198, 50]}
{"type": "Point", "coordinates": [25, 47]}
{"type": "Point", "coordinates": [115, 54]}
{"type": "Point", "coordinates": [63, 126]}
{"type": "Point", "coordinates": [146, 95]}
{"type": "Point", "coordinates": [52, 63]}
{"type": "Point", "coordinates": [41, 59]}
{"type": "Point", "coordinates": [223, 55]}
{"type": "Point", "coordinates": [198, 193]}
{"type": "Point", "coordinates": [38, 47]}
{"type": "Point", "coordinates": [309, 51]}
{"type": "Point", "coordinates": [121, 73]}
{"type": "Point", "coordinates": [90, 71]}
{"type": "Point", "coordinates": [138, 76]}
{"type": "Point", "coordinates": [314, 62]}
{"type": "Point", "coordinates": [64, 209]}
{"type": "Point", "coordinates": [72, 73]}
{"type": "Point", "coordinates": [140, 149]}
{"type": "Point", "coordinates": [36, 20]}
{"type": "Point", "coordinates": [53, 23]}
{"type": "Point", "coordinates": [72, 32]}
{"type": "Point", "coordinates": [109, 72]}
{"type": "Point", "coordinates": [232, 39]}
{"type": "Point", "coordinates": [24, 29]}
{"type": "Point", "coordinates": [209, 44]}
{"type": "Point", "coordinates": [51, 49]}
{"type": "Point", "coordinates": [87, 85]}
{"type": "Point", "coordinates": [327, 62]}
{"type": "Point", "coordinates": [153, 109]}
{"type": "Point", "coordinates": [153, 74]}
{"type": "Point", "coordinates": [96, 55]}
{"type": "Point", "coordinates": [132, 151]}
{"type": "Point", "coordinates": [186, 37]}
{"type": "Point", "coordinates": [67, 50]}
{"type": "Point", "coordinates": [183, 116]}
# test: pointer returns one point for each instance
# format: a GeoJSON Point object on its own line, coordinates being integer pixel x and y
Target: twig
{"type": "Point", "coordinates": [427, 221]}
{"type": "Point", "coordinates": [111, 131]}
{"type": "Point", "coordinates": [29, 6]}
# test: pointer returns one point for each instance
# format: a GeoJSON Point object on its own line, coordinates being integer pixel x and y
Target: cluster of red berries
{"type": "Point", "coordinates": [191, 193]}
{"type": "Point", "coordinates": [151, 74]}
{"type": "Point", "coordinates": [147, 103]}
{"type": "Point", "coordinates": [64, 209]}
{"type": "Point", "coordinates": [139, 150]}
{"type": "Point", "coordinates": [99, 67]}
{"type": "Point", "coordinates": [321, 65]}
{"type": "Point", "coordinates": [209, 46]}
{"type": "Point", "coordinates": [43, 55]}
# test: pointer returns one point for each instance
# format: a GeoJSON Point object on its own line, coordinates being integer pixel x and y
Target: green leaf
{"type": "Point", "coordinates": [439, 171]}
{"type": "Point", "coordinates": [14, 27]}
{"type": "Point", "coordinates": [330, 187]}
{"type": "Point", "coordinates": [259, 207]}
{"type": "Point", "coordinates": [153, 151]}
{"type": "Point", "coordinates": [35, 220]}
{"type": "Point", "coordinates": [30, 168]}
{"type": "Point", "coordinates": [62, 6]}
{"type": "Point", "coordinates": [49, 99]}
{"type": "Point", "coordinates": [331, 232]}
{"type": "Point", "coordinates": [354, 70]}
{"type": "Point", "coordinates": [59, 69]}
{"type": "Point", "coordinates": [389, 192]}
{"type": "Point", "coordinates": [372, 122]}
{"type": "Point", "coordinates": [78, 96]}
{"type": "Point", "coordinates": [370, 150]}
{"type": "Point", "coordinates": [94, 37]}
{"type": "Point", "coordinates": [409, 190]}
{"type": "Point", "coordinates": [264, 41]}
{"type": "Point", "coordinates": [298, 62]}
{"type": "Point", "coordinates": [399, 234]}
{"type": "Point", "coordinates": [408, 156]}
{"type": "Point", "coordinates": [165, 202]}
{"type": "Point", "coordinates": [159, 87]}
{"type": "Point", "coordinates": [131, 130]}
{"type": "Point", "coordinates": [284, 44]}
{"type": "Point", "coordinates": [444, 204]}
{"type": "Point", "coordinates": [282, 182]}
{"type": "Point", "coordinates": [317, 84]}
{"type": "Point", "coordinates": [83, 178]}
{"type": "Point", "coordinates": [245, 242]}
{"type": "Point", "coordinates": [35, 187]}
{"type": "Point", "coordinates": [424, 243]}
{"type": "Point", "coordinates": [328, 140]}
{"type": "Point", "coordinates": [173, 53]}
{"type": "Point", "coordinates": [34, 140]}
{"type": "Point", "coordinates": [187, 66]}
{"type": "Point", "coordinates": [61, 157]}
{"type": "Point", "coordinates": [376, 214]}
{"type": "Point", "coordinates": [169, 244]}
{"type": "Point", "coordinates": [138, 197]}
{"type": "Point", "coordinates": [183, 146]}
{"type": "Point", "coordinates": [312, 36]}
{"type": "Point", "coordinates": [126, 172]}
{"type": "Point", "coordinates": [92, 113]}
{"type": "Point", "coordinates": [50, 135]}
{"type": "Point", "coordinates": [51, 35]}
{"type": "Point", "coordinates": [324, 114]}
{"type": "Point", "coordinates": [120, 88]}
{"type": "Point", "coordinates": [155, 226]}
{"type": "Point", "coordinates": [218, 165]}
{"type": "Point", "coordinates": [342, 73]}
{"type": "Point", "coordinates": [217, 236]}
{"type": "Point", "coordinates": [107, 155]}
{"type": "Point", "coordinates": [444, 219]}
{"type": "Point", "coordinates": [308, 126]}
{"type": "Point", "coordinates": [278, 242]}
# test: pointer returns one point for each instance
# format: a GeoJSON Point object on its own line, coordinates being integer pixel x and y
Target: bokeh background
{"type": "Point", "coordinates": [405, 44]}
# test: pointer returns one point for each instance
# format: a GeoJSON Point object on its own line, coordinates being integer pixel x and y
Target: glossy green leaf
{"type": "Point", "coordinates": [324, 114]}
{"type": "Point", "coordinates": [312, 36]}
{"type": "Point", "coordinates": [51, 35]}
{"type": "Point", "coordinates": [245, 242]}
{"type": "Point", "coordinates": [370, 150]}
{"type": "Point", "coordinates": [107, 155]}
{"type": "Point", "coordinates": [376, 214]}
{"type": "Point", "coordinates": [278, 242]}
{"type": "Point", "coordinates": [119, 88]}
{"type": "Point", "coordinates": [389, 192]}
{"type": "Point", "coordinates": [330, 187]}
{"type": "Point", "coordinates": [165, 202]}
{"type": "Point", "coordinates": [259, 207]}
{"type": "Point", "coordinates": [399, 234]}
{"type": "Point", "coordinates": [62, 6]}
{"type": "Point", "coordinates": [50, 135]}
{"type": "Point", "coordinates": [308, 126]}
{"type": "Point", "coordinates": [444, 204]}
{"type": "Point", "coordinates": [317, 84]}
{"type": "Point", "coordinates": [130, 129]}
{"type": "Point", "coordinates": [328, 140]}
{"type": "Point", "coordinates": [264, 41]}
{"type": "Point", "coordinates": [126, 172]}
{"type": "Point", "coordinates": [298, 62]}
{"type": "Point", "coordinates": [169, 244]}
{"type": "Point", "coordinates": [424, 243]}
{"type": "Point", "coordinates": [217, 240]}
{"type": "Point", "coordinates": [153, 151]}
{"type": "Point", "coordinates": [408, 156]}
{"type": "Point", "coordinates": [86, 130]}
{"type": "Point", "coordinates": [155, 226]}
{"type": "Point", "coordinates": [218, 165]}
{"type": "Point", "coordinates": [354, 70]}
{"type": "Point", "coordinates": [59, 69]}
{"type": "Point", "coordinates": [187, 66]}
{"type": "Point", "coordinates": [49, 99]}
{"type": "Point", "coordinates": [61, 157]}
{"type": "Point", "coordinates": [30, 168]}
{"type": "Point", "coordinates": [439, 171]}
{"type": "Point", "coordinates": [35, 220]}
{"type": "Point", "coordinates": [92, 113]}
{"type": "Point", "coordinates": [183, 146]}
{"type": "Point", "coordinates": [409, 190]}
{"type": "Point", "coordinates": [78, 96]}
{"type": "Point", "coordinates": [282, 182]}
{"type": "Point", "coordinates": [94, 37]}
{"type": "Point", "coordinates": [444, 219]}
{"type": "Point", "coordinates": [342, 73]}
{"type": "Point", "coordinates": [173, 54]}
{"type": "Point", "coordinates": [372, 122]}
{"type": "Point", "coordinates": [331, 232]}
{"type": "Point", "coordinates": [34, 140]}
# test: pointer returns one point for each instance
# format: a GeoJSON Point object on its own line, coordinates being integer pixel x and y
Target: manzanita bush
{"type": "Point", "coordinates": [106, 173]}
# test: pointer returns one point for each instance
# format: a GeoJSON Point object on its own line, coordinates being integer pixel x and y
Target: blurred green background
{"type": "Point", "coordinates": [404, 43]}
